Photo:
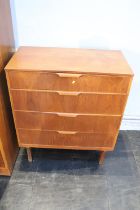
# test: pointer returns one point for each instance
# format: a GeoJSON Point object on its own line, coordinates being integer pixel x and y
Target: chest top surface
{"type": "Point", "coordinates": [69, 60]}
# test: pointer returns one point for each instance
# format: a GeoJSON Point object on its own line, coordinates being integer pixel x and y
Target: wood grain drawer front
{"type": "Point", "coordinates": [55, 102]}
{"type": "Point", "coordinates": [68, 82]}
{"type": "Point", "coordinates": [62, 139]}
{"type": "Point", "coordinates": [63, 121]}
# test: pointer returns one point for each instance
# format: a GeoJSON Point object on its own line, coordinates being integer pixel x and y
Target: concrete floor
{"type": "Point", "coordinates": [65, 179]}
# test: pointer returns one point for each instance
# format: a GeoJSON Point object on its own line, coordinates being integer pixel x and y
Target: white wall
{"type": "Point", "coordinates": [102, 24]}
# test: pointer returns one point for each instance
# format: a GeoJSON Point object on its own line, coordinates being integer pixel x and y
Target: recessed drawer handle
{"type": "Point", "coordinates": [67, 115]}
{"type": "Point", "coordinates": [67, 93]}
{"type": "Point", "coordinates": [69, 75]}
{"type": "Point", "coordinates": [67, 132]}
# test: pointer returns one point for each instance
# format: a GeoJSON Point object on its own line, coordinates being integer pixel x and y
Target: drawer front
{"type": "Point", "coordinates": [55, 139]}
{"type": "Point", "coordinates": [68, 82]}
{"type": "Point", "coordinates": [67, 122]}
{"type": "Point", "coordinates": [59, 102]}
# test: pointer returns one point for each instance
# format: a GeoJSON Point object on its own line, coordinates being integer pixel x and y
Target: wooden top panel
{"type": "Point", "coordinates": [69, 60]}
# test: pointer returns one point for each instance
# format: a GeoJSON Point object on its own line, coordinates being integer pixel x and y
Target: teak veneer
{"type": "Point", "coordinates": [68, 98]}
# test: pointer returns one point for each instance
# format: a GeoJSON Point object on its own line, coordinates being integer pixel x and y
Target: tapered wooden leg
{"type": "Point", "coordinates": [29, 154]}
{"type": "Point", "coordinates": [102, 157]}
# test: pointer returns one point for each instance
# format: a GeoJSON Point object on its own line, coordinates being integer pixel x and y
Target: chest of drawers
{"type": "Point", "coordinates": [68, 98]}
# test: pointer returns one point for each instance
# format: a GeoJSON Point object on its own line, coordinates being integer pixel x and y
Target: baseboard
{"type": "Point", "coordinates": [130, 123]}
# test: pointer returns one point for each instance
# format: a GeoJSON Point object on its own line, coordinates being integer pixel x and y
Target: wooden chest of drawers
{"type": "Point", "coordinates": [68, 98]}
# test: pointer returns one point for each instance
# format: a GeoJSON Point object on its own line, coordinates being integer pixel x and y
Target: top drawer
{"type": "Point", "coordinates": [68, 82]}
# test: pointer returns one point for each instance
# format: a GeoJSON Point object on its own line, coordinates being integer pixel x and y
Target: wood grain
{"type": "Point", "coordinates": [68, 98]}
{"type": "Point", "coordinates": [67, 122]}
{"type": "Point", "coordinates": [8, 143]}
{"type": "Point", "coordinates": [55, 139]}
{"type": "Point", "coordinates": [70, 60]}
{"type": "Point", "coordinates": [83, 83]}
{"type": "Point", "coordinates": [83, 103]}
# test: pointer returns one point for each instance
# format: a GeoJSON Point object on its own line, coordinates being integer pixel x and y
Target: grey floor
{"type": "Point", "coordinates": [65, 180]}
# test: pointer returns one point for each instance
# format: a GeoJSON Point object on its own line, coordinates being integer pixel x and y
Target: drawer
{"type": "Point", "coordinates": [67, 121]}
{"type": "Point", "coordinates": [62, 139]}
{"type": "Point", "coordinates": [67, 102]}
{"type": "Point", "coordinates": [68, 82]}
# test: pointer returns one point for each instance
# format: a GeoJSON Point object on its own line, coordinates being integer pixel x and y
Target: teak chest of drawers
{"type": "Point", "coordinates": [68, 98]}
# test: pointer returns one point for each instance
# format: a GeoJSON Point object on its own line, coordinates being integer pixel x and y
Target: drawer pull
{"type": "Point", "coordinates": [69, 75]}
{"type": "Point", "coordinates": [67, 115]}
{"type": "Point", "coordinates": [67, 93]}
{"type": "Point", "coordinates": [67, 132]}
